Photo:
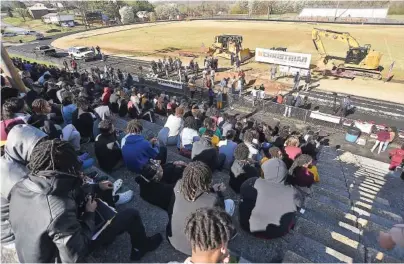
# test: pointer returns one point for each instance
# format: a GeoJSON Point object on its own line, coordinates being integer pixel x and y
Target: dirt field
{"type": "Point", "coordinates": [155, 40]}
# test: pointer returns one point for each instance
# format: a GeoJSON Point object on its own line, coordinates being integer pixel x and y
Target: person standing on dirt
{"type": "Point", "coordinates": [307, 81]}
{"type": "Point", "coordinates": [73, 64]}
{"type": "Point", "coordinates": [296, 81]}
{"type": "Point", "coordinates": [346, 105]}
{"type": "Point", "coordinates": [212, 77]}
{"type": "Point", "coordinates": [273, 72]}
{"type": "Point", "coordinates": [196, 68]}
{"type": "Point", "coordinates": [66, 65]}
{"type": "Point", "coordinates": [98, 50]}
{"type": "Point", "coordinates": [211, 94]}
{"type": "Point", "coordinates": [160, 65]}
{"type": "Point", "coordinates": [288, 100]}
{"type": "Point", "coordinates": [238, 63]}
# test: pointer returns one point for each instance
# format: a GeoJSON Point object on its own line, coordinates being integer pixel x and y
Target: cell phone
{"type": "Point", "coordinates": [92, 174]}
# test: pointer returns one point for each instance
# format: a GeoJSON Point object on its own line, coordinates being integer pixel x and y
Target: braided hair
{"type": "Point", "coordinates": [134, 127]}
{"type": "Point", "coordinates": [241, 152]}
{"type": "Point", "coordinates": [299, 162]}
{"type": "Point", "coordinates": [209, 228]}
{"type": "Point", "coordinates": [54, 154]}
{"type": "Point", "coordinates": [196, 179]}
{"type": "Point", "coordinates": [11, 107]}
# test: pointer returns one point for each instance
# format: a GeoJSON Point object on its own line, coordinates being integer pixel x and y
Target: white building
{"type": "Point", "coordinates": [59, 19]}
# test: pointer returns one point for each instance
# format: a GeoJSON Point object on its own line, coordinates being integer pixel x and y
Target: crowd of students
{"type": "Point", "coordinates": [42, 133]}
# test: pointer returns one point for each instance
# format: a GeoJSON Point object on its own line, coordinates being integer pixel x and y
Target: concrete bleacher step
{"type": "Point", "coordinates": [292, 257]}
{"type": "Point", "coordinates": [341, 212]}
{"type": "Point", "coordinates": [376, 256]}
{"type": "Point", "coordinates": [344, 197]}
{"type": "Point", "coordinates": [335, 237]}
{"type": "Point", "coordinates": [314, 251]}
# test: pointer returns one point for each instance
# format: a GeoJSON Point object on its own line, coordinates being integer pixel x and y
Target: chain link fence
{"type": "Point", "coordinates": [282, 111]}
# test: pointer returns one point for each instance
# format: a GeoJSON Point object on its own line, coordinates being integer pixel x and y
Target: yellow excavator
{"type": "Point", "coordinates": [359, 61]}
{"type": "Point", "coordinates": [226, 45]}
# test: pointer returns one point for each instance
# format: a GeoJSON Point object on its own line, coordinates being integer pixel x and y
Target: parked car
{"type": "Point", "coordinates": [9, 34]}
{"type": "Point", "coordinates": [81, 53]}
{"type": "Point", "coordinates": [45, 50]}
{"type": "Point", "coordinates": [39, 36]}
{"type": "Point", "coordinates": [30, 32]}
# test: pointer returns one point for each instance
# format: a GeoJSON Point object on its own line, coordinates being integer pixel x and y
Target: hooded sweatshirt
{"type": "Point", "coordinates": [21, 141]}
{"type": "Point", "coordinates": [268, 206]}
{"type": "Point", "coordinates": [137, 151]}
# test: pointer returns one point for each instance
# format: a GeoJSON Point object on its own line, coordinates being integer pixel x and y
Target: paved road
{"type": "Point", "coordinates": [380, 112]}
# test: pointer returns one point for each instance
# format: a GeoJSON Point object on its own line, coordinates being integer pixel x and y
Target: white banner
{"type": "Point", "coordinates": [172, 84]}
{"type": "Point", "coordinates": [299, 60]}
{"type": "Point", "coordinates": [292, 70]}
{"type": "Point", "coordinates": [325, 117]}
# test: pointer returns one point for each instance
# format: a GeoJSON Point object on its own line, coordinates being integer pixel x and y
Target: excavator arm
{"type": "Point", "coordinates": [317, 35]}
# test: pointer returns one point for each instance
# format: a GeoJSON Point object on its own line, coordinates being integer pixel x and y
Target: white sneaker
{"type": "Point", "coordinates": [229, 206]}
{"type": "Point", "coordinates": [124, 197]}
{"type": "Point", "coordinates": [117, 186]}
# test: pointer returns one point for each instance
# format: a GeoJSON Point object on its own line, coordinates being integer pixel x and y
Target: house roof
{"type": "Point", "coordinates": [55, 14]}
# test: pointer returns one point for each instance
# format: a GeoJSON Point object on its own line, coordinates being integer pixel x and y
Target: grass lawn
{"type": "Point", "coordinates": [33, 60]}
{"type": "Point", "coordinates": [396, 17]}
{"type": "Point", "coordinates": [38, 25]}
{"type": "Point", "coordinates": [16, 39]}
{"type": "Point", "coordinates": [163, 39]}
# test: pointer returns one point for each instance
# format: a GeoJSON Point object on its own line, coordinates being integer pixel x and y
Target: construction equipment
{"type": "Point", "coordinates": [226, 45]}
{"type": "Point", "coordinates": [359, 61]}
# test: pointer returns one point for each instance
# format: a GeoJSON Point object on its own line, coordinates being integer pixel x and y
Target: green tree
{"type": "Point", "coordinates": [140, 5]}
{"type": "Point", "coordinates": [22, 12]}
{"type": "Point", "coordinates": [9, 13]}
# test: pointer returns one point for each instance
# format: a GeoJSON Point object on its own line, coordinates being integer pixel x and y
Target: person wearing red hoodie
{"type": "Point", "coordinates": [397, 157]}
{"type": "Point", "coordinates": [106, 95]}
{"type": "Point", "coordinates": [383, 137]}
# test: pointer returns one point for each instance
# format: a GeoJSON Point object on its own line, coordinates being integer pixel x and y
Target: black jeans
{"type": "Point", "coordinates": [162, 156]}
{"type": "Point", "coordinates": [129, 221]}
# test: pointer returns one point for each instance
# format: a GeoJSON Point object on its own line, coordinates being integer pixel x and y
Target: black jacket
{"type": "Point", "coordinates": [160, 193]}
{"type": "Point", "coordinates": [179, 211]}
{"type": "Point", "coordinates": [45, 219]}
{"type": "Point", "coordinates": [203, 150]}
{"type": "Point", "coordinates": [107, 151]}
{"type": "Point", "coordinates": [240, 172]}
{"type": "Point", "coordinates": [83, 122]}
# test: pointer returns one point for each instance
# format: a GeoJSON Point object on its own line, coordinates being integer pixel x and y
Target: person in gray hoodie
{"type": "Point", "coordinates": [20, 142]}
{"type": "Point", "coordinates": [268, 206]}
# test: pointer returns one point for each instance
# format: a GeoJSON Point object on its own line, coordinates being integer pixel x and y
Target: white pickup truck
{"type": "Point", "coordinates": [81, 53]}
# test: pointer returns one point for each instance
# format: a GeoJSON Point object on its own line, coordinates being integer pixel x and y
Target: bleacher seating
{"type": "Point", "coordinates": [339, 222]}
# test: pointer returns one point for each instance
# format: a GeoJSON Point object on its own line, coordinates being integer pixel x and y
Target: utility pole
{"type": "Point", "coordinates": [11, 72]}
{"type": "Point", "coordinates": [336, 10]}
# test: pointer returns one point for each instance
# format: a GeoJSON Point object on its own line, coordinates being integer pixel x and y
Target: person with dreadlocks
{"type": "Point", "coordinates": [192, 192]}
{"type": "Point", "coordinates": [268, 206]}
{"type": "Point", "coordinates": [17, 152]}
{"type": "Point", "coordinates": [209, 231]}
{"type": "Point", "coordinates": [300, 171]}
{"type": "Point", "coordinates": [157, 182]}
{"type": "Point", "coordinates": [242, 168]}
{"type": "Point", "coordinates": [59, 228]}
{"type": "Point", "coordinates": [137, 151]}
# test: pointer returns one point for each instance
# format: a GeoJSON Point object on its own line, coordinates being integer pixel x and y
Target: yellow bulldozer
{"type": "Point", "coordinates": [226, 45]}
{"type": "Point", "coordinates": [359, 60]}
